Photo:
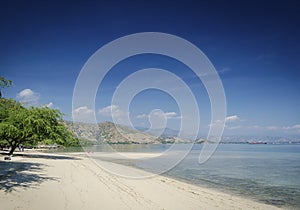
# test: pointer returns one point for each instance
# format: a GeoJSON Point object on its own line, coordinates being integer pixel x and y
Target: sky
{"type": "Point", "coordinates": [253, 45]}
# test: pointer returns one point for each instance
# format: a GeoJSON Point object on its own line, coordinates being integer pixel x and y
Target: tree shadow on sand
{"type": "Point", "coordinates": [44, 156]}
{"type": "Point", "coordinates": [26, 174]}
{"type": "Point", "coordinates": [21, 174]}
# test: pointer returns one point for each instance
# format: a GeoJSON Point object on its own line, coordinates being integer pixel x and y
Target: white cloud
{"type": "Point", "coordinates": [224, 70]}
{"type": "Point", "coordinates": [28, 96]}
{"type": "Point", "coordinates": [171, 115]}
{"type": "Point", "coordinates": [229, 119]}
{"type": "Point", "coordinates": [232, 118]}
{"type": "Point", "coordinates": [142, 116]}
{"type": "Point", "coordinates": [272, 128]}
{"type": "Point", "coordinates": [294, 127]}
{"type": "Point", "coordinates": [83, 114]}
{"type": "Point", "coordinates": [83, 110]}
{"type": "Point", "coordinates": [159, 113]}
{"type": "Point", "coordinates": [50, 105]}
{"type": "Point", "coordinates": [116, 112]}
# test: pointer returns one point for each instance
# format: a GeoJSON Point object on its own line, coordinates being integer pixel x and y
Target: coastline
{"type": "Point", "coordinates": [73, 181]}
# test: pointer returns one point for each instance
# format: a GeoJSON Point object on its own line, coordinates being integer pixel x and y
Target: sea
{"type": "Point", "coordinates": [268, 173]}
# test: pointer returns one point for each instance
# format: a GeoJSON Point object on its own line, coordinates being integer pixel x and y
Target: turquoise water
{"type": "Point", "coordinates": [266, 173]}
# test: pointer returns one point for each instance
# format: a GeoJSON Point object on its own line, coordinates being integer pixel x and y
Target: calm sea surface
{"type": "Point", "coordinates": [266, 173]}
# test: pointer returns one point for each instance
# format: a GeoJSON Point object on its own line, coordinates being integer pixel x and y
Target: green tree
{"type": "Point", "coordinates": [30, 126]}
{"type": "Point", "coordinates": [4, 83]}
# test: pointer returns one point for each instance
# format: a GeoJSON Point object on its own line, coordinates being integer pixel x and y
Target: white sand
{"type": "Point", "coordinates": [81, 184]}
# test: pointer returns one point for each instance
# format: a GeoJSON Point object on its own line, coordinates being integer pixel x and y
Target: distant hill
{"type": "Point", "coordinates": [108, 132]}
{"type": "Point", "coordinates": [167, 132]}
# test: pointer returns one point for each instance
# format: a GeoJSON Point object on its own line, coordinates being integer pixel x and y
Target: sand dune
{"type": "Point", "coordinates": [42, 181]}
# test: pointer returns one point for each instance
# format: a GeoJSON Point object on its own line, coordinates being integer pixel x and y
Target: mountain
{"type": "Point", "coordinates": [108, 132]}
{"type": "Point", "coordinates": [168, 132]}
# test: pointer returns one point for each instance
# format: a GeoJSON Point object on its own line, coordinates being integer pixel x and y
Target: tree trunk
{"type": "Point", "coordinates": [13, 147]}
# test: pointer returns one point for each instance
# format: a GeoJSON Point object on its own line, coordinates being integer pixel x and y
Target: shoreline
{"type": "Point", "coordinates": [73, 181]}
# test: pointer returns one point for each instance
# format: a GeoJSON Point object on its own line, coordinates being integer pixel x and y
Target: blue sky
{"type": "Point", "coordinates": [254, 45]}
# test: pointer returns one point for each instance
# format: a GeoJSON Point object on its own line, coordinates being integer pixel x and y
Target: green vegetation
{"type": "Point", "coordinates": [20, 126]}
{"type": "Point", "coordinates": [86, 142]}
{"type": "Point", "coordinates": [4, 83]}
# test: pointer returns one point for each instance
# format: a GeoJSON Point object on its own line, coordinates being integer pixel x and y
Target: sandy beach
{"type": "Point", "coordinates": [73, 181]}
